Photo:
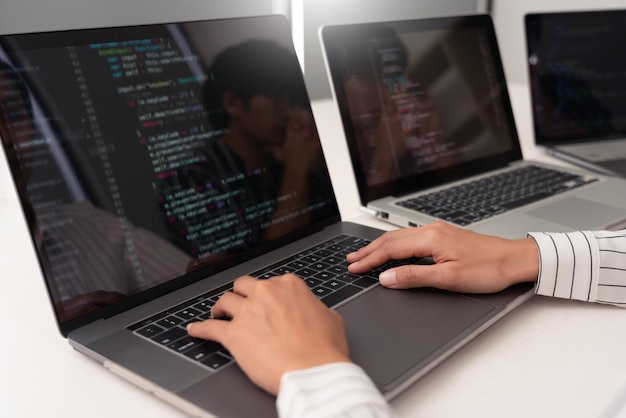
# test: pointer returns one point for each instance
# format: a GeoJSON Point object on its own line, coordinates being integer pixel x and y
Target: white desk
{"type": "Point", "coordinates": [549, 358]}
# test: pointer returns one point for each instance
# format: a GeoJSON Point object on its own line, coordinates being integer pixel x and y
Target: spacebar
{"type": "Point", "coordinates": [526, 200]}
{"type": "Point", "coordinates": [340, 295]}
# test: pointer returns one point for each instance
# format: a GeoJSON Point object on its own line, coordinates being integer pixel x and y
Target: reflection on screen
{"type": "Point", "coordinates": [420, 101]}
{"type": "Point", "coordinates": [149, 152]}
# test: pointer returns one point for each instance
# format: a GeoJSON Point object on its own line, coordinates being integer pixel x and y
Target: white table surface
{"type": "Point", "coordinates": [548, 358]}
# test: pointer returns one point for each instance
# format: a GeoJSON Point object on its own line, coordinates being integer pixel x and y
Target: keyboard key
{"type": "Point", "coordinates": [263, 276]}
{"type": "Point", "coordinates": [203, 350]}
{"type": "Point", "coordinates": [323, 253]}
{"type": "Point", "coordinates": [334, 284]}
{"type": "Point", "coordinates": [365, 282]}
{"type": "Point", "coordinates": [279, 271]}
{"type": "Point", "coordinates": [150, 331]}
{"type": "Point", "coordinates": [338, 269]}
{"type": "Point", "coordinates": [204, 306]}
{"type": "Point", "coordinates": [340, 295]}
{"type": "Point", "coordinates": [297, 265]}
{"type": "Point", "coordinates": [215, 361]}
{"type": "Point", "coordinates": [170, 336]}
{"type": "Point", "coordinates": [348, 277]}
{"type": "Point", "coordinates": [324, 275]}
{"type": "Point", "coordinates": [305, 273]}
{"type": "Point", "coordinates": [312, 282]}
{"type": "Point", "coordinates": [311, 258]}
{"type": "Point", "coordinates": [184, 343]}
{"type": "Point", "coordinates": [321, 291]}
{"type": "Point", "coordinates": [319, 266]}
{"type": "Point", "coordinates": [169, 321]}
{"type": "Point", "coordinates": [188, 313]}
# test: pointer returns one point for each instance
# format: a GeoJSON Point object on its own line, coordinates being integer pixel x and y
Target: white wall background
{"type": "Point", "coordinates": [509, 21]}
{"type": "Point", "coordinates": [314, 13]}
{"type": "Point", "coordinates": [37, 15]}
{"type": "Point", "coordinates": [40, 15]}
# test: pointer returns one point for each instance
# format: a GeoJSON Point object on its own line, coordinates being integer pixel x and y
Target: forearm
{"type": "Point", "coordinates": [587, 266]}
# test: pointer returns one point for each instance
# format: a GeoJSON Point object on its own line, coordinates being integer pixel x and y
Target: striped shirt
{"type": "Point", "coordinates": [583, 265]}
{"type": "Point", "coordinates": [339, 390]}
{"type": "Point", "coordinates": [587, 266]}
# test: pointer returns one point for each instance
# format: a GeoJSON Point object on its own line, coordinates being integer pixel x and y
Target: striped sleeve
{"type": "Point", "coordinates": [338, 390]}
{"type": "Point", "coordinates": [583, 265]}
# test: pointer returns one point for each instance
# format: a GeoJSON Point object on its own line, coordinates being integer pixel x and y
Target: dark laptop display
{"type": "Point", "coordinates": [578, 83]}
{"type": "Point", "coordinates": [127, 176]}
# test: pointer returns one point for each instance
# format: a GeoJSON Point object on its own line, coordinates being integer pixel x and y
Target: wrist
{"type": "Point", "coordinates": [522, 261]}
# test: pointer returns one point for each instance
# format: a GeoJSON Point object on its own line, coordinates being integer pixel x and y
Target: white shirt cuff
{"type": "Point", "coordinates": [332, 390]}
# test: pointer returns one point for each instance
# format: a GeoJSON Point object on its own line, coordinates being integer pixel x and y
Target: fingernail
{"type": "Point", "coordinates": [189, 326]}
{"type": "Point", "coordinates": [388, 278]}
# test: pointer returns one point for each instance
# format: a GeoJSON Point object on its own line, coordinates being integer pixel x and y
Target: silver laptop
{"type": "Point", "coordinates": [577, 85]}
{"type": "Point", "coordinates": [144, 201]}
{"type": "Point", "coordinates": [425, 110]}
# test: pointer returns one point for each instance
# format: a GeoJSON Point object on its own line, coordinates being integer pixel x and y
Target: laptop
{"type": "Point", "coordinates": [577, 82]}
{"type": "Point", "coordinates": [431, 134]}
{"type": "Point", "coordinates": [149, 163]}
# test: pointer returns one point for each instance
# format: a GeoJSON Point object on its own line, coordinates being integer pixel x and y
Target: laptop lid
{"type": "Point", "coordinates": [443, 79]}
{"type": "Point", "coordinates": [113, 139]}
{"type": "Point", "coordinates": [576, 83]}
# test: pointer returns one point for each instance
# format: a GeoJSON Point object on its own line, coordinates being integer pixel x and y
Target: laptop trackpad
{"type": "Point", "coordinates": [392, 332]}
{"type": "Point", "coordinates": [578, 213]}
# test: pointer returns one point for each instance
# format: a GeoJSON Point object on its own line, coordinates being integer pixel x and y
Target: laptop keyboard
{"type": "Point", "coordinates": [481, 199]}
{"type": "Point", "coordinates": [323, 267]}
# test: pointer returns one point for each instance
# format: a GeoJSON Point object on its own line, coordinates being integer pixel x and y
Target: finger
{"type": "Point", "coordinates": [211, 329]}
{"type": "Point", "coordinates": [372, 248]}
{"type": "Point", "coordinates": [380, 243]}
{"type": "Point", "coordinates": [227, 305]}
{"type": "Point", "coordinates": [243, 285]}
{"type": "Point", "coordinates": [398, 246]}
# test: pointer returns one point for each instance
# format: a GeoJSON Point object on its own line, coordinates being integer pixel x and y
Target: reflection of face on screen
{"type": "Point", "coordinates": [261, 178]}
{"type": "Point", "coordinates": [418, 102]}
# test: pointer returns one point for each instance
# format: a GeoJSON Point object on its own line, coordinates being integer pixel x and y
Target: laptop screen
{"type": "Point", "coordinates": [145, 154]}
{"type": "Point", "coordinates": [577, 73]}
{"type": "Point", "coordinates": [422, 102]}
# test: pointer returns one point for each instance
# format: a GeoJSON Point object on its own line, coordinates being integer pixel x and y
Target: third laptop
{"type": "Point", "coordinates": [431, 134]}
{"type": "Point", "coordinates": [578, 86]}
